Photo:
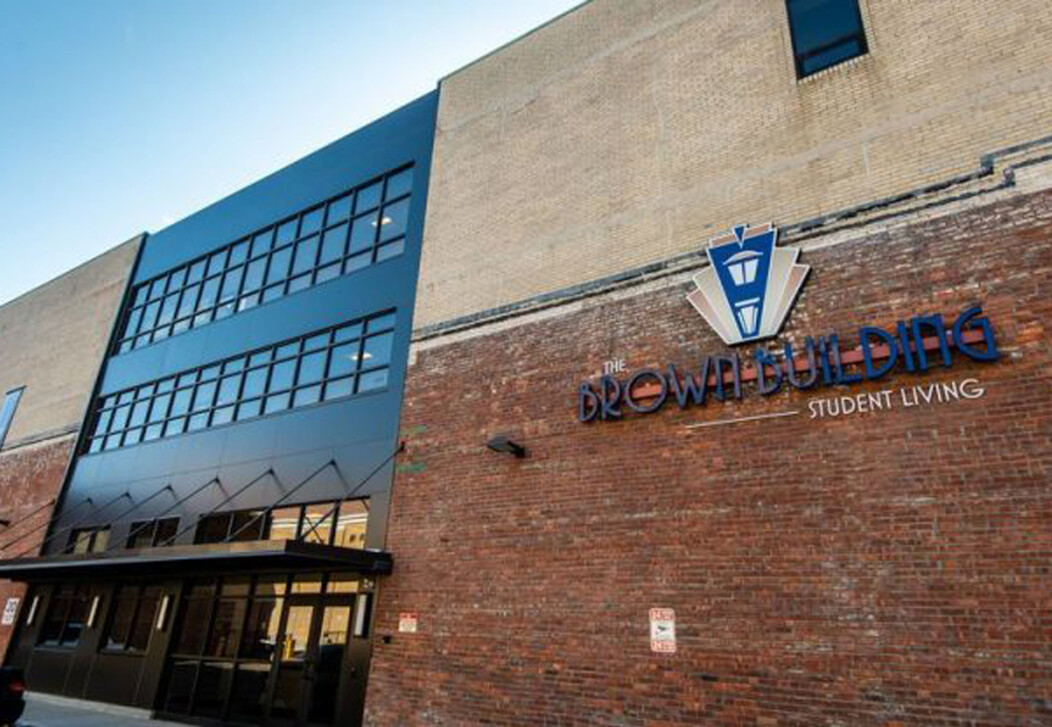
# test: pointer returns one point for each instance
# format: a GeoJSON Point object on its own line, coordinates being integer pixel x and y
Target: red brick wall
{"type": "Point", "coordinates": [892, 568]}
{"type": "Point", "coordinates": [30, 477]}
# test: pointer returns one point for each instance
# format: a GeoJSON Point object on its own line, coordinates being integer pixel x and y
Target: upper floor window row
{"type": "Point", "coordinates": [825, 33]}
{"type": "Point", "coordinates": [355, 230]}
{"type": "Point", "coordinates": [353, 358]}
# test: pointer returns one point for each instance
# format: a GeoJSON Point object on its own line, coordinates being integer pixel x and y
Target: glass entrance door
{"type": "Point", "coordinates": [312, 653]}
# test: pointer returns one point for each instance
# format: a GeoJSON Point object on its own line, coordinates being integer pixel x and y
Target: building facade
{"type": "Point", "coordinates": [670, 365]}
{"type": "Point", "coordinates": [852, 550]}
{"type": "Point", "coordinates": [216, 548]}
{"type": "Point", "coordinates": [46, 392]}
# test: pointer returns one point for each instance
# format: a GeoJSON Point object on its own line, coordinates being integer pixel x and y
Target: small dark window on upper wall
{"type": "Point", "coordinates": [825, 33]}
{"type": "Point", "coordinates": [7, 411]}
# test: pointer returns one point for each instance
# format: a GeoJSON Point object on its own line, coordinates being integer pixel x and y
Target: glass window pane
{"type": "Point", "coordinates": [203, 395]}
{"type": "Point", "coordinates": [249, 409]}
{"type": "Point", "coordinates": [159, 410]}
{"type": "Point", "coordinates": [339, 388]}
{"type": "Point", "coordinates": [197, 272]}
{"type": "Point", "coordinates": [357, 262]}
{"type": "Point", "coordinates": [368, 197]}
{"type": "Point", "coordinates": [223, 415]}
{"type": "Point", "coordinates": [347, 333]}
{"type": "Point", "coordinates": [189, 302]}
{"type": "Point", "coordinates": [139, 638]}
{"type": "Point", "coordinates": [333, 244]}
{"type": "Point", "coordinates": [231, 285]}
{"type": "Point", "coordinates": [239, 253]}
{"type": "Point", "coordinates": [167, 313]}
{"type": "Point", "coordinates": [228, 389]}
{"type": "Point", "coordinates": [181, 402]}
{"type": "Point", "coordinates": [261, 631]}
{"type": "Point", "coordinates": [344, 360]}
{"type": "Point", "coordinates": [211, 689]}
{"type": "Point", "coordinates": [254, 274]}
{"type": "Point", "coordinates": [165, 530]}
{"type": "Point", "coordinates": [399, 184]}
{"type": "Point", "coordinates": [327, 273]}
{"type": "Point", "coordinates": [300, 283]}
{"type": "Point", "coordinates": [372, 381]}
{"type": "Point", "coordinates": [55, 619]}
{"type": "Point", "coordinates": [339, 209]}
{"type": "Point", "coordinates": [196, 606]}
{"type": "Point", "coordinates": [381, 323]}
{"type": "Point", "coordinates": [279, 265]}
{"type": "Point", "coordinates": [78, 614]}
{"type": "Point", "coordinates": [351, 524]}
{"type": "Point", "coordinates": [284, 523]}
{"type": "Point", "coordinates": [276, 403]}
{"type": "Point", "coordinates": [180, 687]}
{"type": "Point", "coordinates": [306, 253]}
{"type": "Point", "coordinates": [121, 621]}
{"type": "Point", "coordinates": [311, 222]}
{"type": "Point", "coordinates": [255, 380]}
{"type": "Point", "coordinates": [287, 231]}
{"type": "Point", "coordinates": [394, 220]}
{"type": "Point", "coordinates": [216, 263]}
{"type": "Point", "coordinates": [281, 376]}
{"type": "Point", "coordinates": [317, 522]}
{"type": "Point", "coordinates": [312, 368]}
{"type": "Point", "coordinates": [209, 292]}
{"type": "Point", "coordinates": [248, 696]}
{"type": "Point", "coordinates": [390, 250]}
{"type": "Point", "coordinates": [308, 395]}
{"type": "Point", "coordinates": [363, 232]}
{"type": "Point", "coordinates": [378, 350]}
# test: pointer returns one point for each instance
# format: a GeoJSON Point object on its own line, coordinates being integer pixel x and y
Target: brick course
{"type": "Point", "coordinates": [885, 569]}
{"type": "Point", "coordinates": [627, 131]}
{"type": "Point", "coordinates": [30, 477]}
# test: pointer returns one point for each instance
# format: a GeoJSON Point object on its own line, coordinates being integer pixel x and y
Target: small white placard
{"type": "Point", "coordinates": [10, 611]}
{"type": "Point", "coordinates": [663, 631]}
{"type": "Point", "coordinates": [407, 623]}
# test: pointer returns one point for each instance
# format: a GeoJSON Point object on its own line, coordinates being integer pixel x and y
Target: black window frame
{"type": "Point", "coordinates": [800, 58]}
{"type": "Point", "coordinates": [188, 401]}
{"type": "Point", "coordinates": [175, 296]}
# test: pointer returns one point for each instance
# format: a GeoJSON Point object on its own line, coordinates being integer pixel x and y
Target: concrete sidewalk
{"type": "Point", "coordinates": [45, 710]}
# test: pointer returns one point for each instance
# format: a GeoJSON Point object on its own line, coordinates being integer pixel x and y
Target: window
{"type": "Point", "coordinates": [239, 525]}
{"type": "Point", "coordinates": [88, 540]}
{"type": "Point", "coordinates": [825, 33]}
{"type": "Point", "coordinates": [353, 358]}
{"type": "Point", "coordinates": [329, 523]}
{"type": "Point", "coordinates": [132, 618]}
{"type": "Point", "coordinates": [152, 533]}
{"type": "Point", "coordinates": [66, 616]}
{"type": "Point", "coordinates": [356, 229]}
{"type": "Point", "coordinates": [8, 412]}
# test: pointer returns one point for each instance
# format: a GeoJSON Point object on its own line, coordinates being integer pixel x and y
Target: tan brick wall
{"type": "Point", "coordinates": [52, 340]}
{"type": "Point", "coordinates": [628, 131]}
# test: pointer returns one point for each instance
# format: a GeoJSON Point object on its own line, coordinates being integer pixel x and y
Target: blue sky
{"type": "Point", "coordinates": [118, 116]}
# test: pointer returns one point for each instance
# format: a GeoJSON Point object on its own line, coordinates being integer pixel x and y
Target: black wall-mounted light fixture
{"type": "Point", "coordinates": [501, 443]}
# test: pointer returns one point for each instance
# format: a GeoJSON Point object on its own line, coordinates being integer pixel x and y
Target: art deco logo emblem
{"type": "Point", "coordinates": [750, 285]}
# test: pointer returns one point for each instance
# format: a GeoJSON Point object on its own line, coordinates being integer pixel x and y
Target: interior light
{"type": "Point", "coordinates": [385, 220]}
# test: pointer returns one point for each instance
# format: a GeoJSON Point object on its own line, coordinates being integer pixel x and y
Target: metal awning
{"type": "Point", "coordinates": [181, 560]}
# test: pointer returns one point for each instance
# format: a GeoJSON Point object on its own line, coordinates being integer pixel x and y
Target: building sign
{"type": "Point", "coordinates": [750, 285]}
{"type": "Point", "coordinates": [10, 611]}
{"type": "Point", "coordinates": [745, 295]}
{"type": "Point", "coordinates": [663, 631]}
{"type": "Point", "coordinates": [407, 623]}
